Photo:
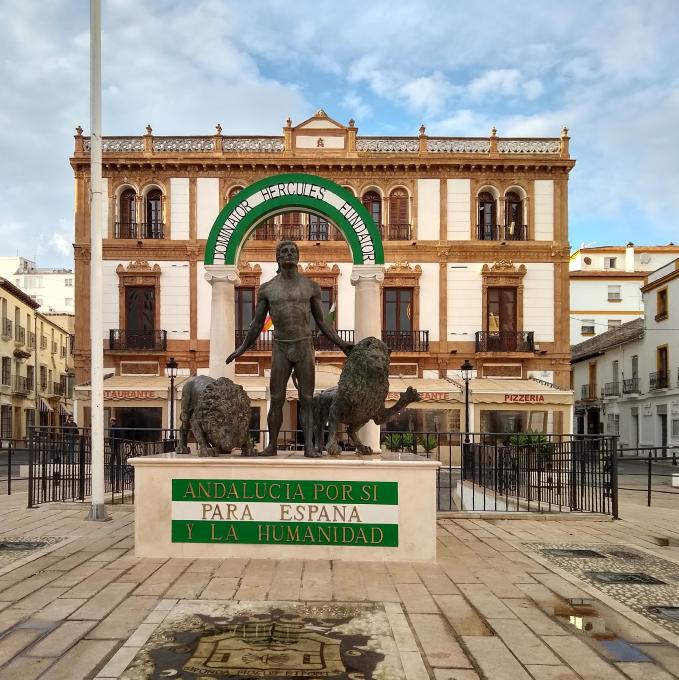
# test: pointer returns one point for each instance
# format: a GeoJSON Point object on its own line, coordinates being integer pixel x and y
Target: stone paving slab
{"type": "Point", "coordinates": [493, 606]}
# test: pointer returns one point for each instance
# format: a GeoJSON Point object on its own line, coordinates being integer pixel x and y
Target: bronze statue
{"type": "Point", "coordinates": [289, 298]}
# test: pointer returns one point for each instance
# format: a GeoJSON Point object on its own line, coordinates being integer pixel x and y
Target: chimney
{"type": "Point", "coordinates": [629, 257]}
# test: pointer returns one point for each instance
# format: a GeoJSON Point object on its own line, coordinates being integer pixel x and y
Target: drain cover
{"type": "Point", "coordinates": [633, 578]}
{"type": "Point", "coordinates": [571, 552]}
{"type": "Point", "coordinates": [21, 545]}
{"type": "Point", "coordinates": [669, 613]}
{"type": "Point", "coordinates": [625, 554]}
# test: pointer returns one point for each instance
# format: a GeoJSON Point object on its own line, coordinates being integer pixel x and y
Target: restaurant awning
{"type": "Point", "coordinates": [133, 387]}
{"type": "Point", "coordinates": [519, 393]}
{"type": "Point", "coordinates": [44, 406]}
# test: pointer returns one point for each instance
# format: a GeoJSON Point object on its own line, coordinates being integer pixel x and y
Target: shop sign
{"type": "Point", "coordinates": [129, 394]}
{"type": "Point", "coordinates": [304, 512]}
{"type": "Point", "coordinates": [424, 396]}
{"type": "Point", "coordinates": [524, 398]}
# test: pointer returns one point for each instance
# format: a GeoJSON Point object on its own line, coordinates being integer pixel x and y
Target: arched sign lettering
{"type": "Point", "coordinates": [284, 193]}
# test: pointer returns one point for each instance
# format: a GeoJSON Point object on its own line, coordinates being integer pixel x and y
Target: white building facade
{"type": "Point", "coordinates": [627, 379]}
{"type": "Point", "coordinates": [53, 289]}
{"type": "Point", "coordinates": [606, 283]}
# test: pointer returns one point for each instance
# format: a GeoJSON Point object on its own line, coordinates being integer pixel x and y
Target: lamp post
{"type": "Point", "coordinates": [466, 370]}
{"type": "Point", "coordinates": [171, 370]}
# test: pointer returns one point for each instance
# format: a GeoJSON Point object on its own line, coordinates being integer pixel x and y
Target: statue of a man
{"type": "Point", "coordinates": [289, 298]}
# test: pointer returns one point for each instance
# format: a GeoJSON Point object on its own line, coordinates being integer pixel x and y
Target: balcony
{"type": "Point", "coordinates": [20, 335]}
{"type": "Point", "coordinates": [57, 389]}
{"type": "Point", "coordinates": [659, 380]}
{"type": "Point", "coordinates": [20, 384]}
{"type": "Point", "coordinates": [611, 389]}
{"type": "Point", "coordinates": [505, 341]}
{"type": "Point", "coordinates": [31, 340]}
{"type": "Point", "coordinates": [264, 342]}
{"type": "Point", "coordinates": [499, 232]}
{"type": "Point", "coordinates": [630, 386]}
{"type": "Point", "coordinates": [406, 341]}
{"type": "Point", "coordinates": [397, 232]}
{"type": "Point", "coordinates": [140, 230]}
{"type": "Point", "coordinates": [265, 232]}
{"type": "Point", "coordinates": [43, 342]}
{"type": "Point", "coordinates": [137, 341]}
{"type": "Point", "coordinates": [588, 392]}
{"type": "Point", "coordinates": [7, 329]}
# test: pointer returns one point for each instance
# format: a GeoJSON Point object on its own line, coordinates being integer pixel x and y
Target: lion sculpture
{"type": "Point", "coordinates": [218, 413]}
{"type": "Point", "coordinates": [359, 397]}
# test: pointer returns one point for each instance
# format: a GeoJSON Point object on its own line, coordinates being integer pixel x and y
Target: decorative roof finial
{"type": "Point", "coordinates": [564, 132]}
{"type": "Point", "coordinates": [149, 129]}
{"type": "Point", "coordinates": [79, 131]}
{"type": "Point", "coordinates": [493, 131]}
{"type": "Point", "coordinates": [320, 114]}
{"type": "Point", "coordinates": [422, 130]}
{"type": "Point", "coordinates": [218, 128]}
{"type": "Point", "coordinates": [288, 122]}
{"type": "Point", "coordinates": [352, 122]}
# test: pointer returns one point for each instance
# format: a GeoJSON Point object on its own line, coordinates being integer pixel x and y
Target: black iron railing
{"type": "Point", "coordinates": [60, 461]}
{"type": "Point", "coordinates": [588, 391]}
{"type": "Point", "coordinates": [406, 341]}
{"type": "Point", "coordinates": [265, 232]}
{"type": "Point", "coordinates": [264, 342]}
{"type": "Point", "coordinates": [650, 469]}
{"type": "Point", "coordinates": [7, 328]}
{"type": "Point", "coordinates": [505, 341]}
{"type": "Point", "coordinates": [611, 389]}
{"type": "Point", "coordinates": [630, 386]}
{"type": "Point", "coordinates": [659, 380]}
{"type": "Point", "coordinates": [20, 334]}
{"type": "Point", "coordinates": [499, 232]}
{"type": "Point", "coordinates": [126, 340]}
{"type": "Point", "coordinates": [399, 232]}
{"type": "Point", "coordinates": [140, 230]}
{"type": "Point", "coordinates": [20, 384]}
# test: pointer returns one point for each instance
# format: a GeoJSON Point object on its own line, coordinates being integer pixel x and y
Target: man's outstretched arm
{"type": "Point", "coordinates": [325, 327]}
{"type": "Point", "coordinates": [254, 329]}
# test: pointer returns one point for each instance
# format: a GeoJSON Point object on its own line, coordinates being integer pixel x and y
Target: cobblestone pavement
{"type": "Point", "coordinates": [494, 605]}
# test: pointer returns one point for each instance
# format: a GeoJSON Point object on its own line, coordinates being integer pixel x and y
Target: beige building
{"type": "Point", "coordinates": [474, 236]}
{"type": "Point", "coordinates": [37, 373]}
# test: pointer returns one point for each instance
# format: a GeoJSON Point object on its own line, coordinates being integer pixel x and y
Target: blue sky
{"type": "Point", "coordinates": [606, 69]}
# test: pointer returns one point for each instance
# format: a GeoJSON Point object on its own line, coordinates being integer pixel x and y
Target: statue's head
{"type": "Point", "coordinates": [287, 254]}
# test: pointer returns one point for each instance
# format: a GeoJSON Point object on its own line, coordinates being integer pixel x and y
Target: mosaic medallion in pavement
{"type": "Point", "coordinates": [647, 584]}
{"type": "Point", "coordinates": [13, 548]}
{"type": "Point", "coordinates": [273, 640]}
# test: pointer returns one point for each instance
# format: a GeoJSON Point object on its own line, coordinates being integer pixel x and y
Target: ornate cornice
{"type": "Point", "coordinates": [249, 275]}
{"type": "Point", "coordinates": [138, 267]}
{"type": "Point", "coordinates": [321, 267]}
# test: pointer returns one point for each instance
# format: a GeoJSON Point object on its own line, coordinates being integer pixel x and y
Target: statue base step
{"type": "Point", "coordinates": [348, 507]}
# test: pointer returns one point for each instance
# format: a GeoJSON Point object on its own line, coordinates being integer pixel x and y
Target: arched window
{"type": "Point", "coordinates": [487, 216]}
{"type": "Point", "coordinates": [233, 192]}
{"type": "Point", "coordinates": [373, 204]}
{"type": "Point", "coordinates": [514, 226]}
{"type": "Point", "coordinates": [399, 222]}
{"type": "Point", "coordinates": [126, 226]}
{"type": "Point", "coordinates": [153, 228]}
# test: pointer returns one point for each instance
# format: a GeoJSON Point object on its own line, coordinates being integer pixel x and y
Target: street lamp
{"type": "Point", "coordinates": [171, 370]}
{"type": "Point", "coordinates": [466, 370]}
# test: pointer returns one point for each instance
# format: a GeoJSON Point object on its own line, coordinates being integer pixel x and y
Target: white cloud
{"type": "Point", "coordinates": [428, 94]}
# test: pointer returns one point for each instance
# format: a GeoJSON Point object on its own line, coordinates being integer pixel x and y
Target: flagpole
{"type": "Point", "coordinates": [97, 509]}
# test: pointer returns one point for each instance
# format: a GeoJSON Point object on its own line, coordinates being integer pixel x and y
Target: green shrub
{"type": "Point", "coordinates": [393, 441]}
{"type": "Point", "coordinates": [428, 442]}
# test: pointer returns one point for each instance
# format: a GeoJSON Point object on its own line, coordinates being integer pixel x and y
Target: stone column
{"type": "Point", "coordinates": [223, 278]}
{"type": "Point", "coordinates": [368, 321]}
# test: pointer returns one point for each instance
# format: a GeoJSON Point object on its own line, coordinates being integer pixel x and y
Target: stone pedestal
{"type": "Point", "coordinates": [368, 321]}
{"type": "Point", "coordinates": [346, 508]}
{"type": "Point", "coordinates": [223, 278]}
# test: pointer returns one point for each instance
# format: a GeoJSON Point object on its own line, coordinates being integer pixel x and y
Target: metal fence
{"type": "Point", "coordinates": [478, 472]}
{"type": "Point", "coordinates": [650, 470]}
{"type": "Point", "coordinates": [60, 461]}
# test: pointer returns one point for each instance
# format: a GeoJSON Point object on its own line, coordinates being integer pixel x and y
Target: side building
{"type": "Point", "coordinates": [627, 379]}
{"type": "Point", "coordinates": [475, 236]}
{"type": "Point", "coordinates": [606, 283]}
{"type": "Point", "coordinates": [36, 384]}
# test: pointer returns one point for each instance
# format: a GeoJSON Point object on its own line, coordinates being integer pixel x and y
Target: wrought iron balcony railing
{"type": "Point", "coordinates": [20, 384]}
{"type": "Point", "coordinates": [588, 391]}
{"type": "Point", "coordinates": [31, 339]}
{"type": "Point", "coordinates": [505, 341]}
{"type": "Point", "coordinates": [659, 380]}
{"type": "Point", "coordinates": [323, 344]}
{"type": "Point", "coordinates": [406, 341]}
{"type": "Point", "coordinates": [264, 342]}
{"type": "Point", "coordinates": [499, 232]}
{"type": "Point", "coordinates": [398, 232]}
{"type": "Point", "coordinates": [20, 335]}
{"type": "Point", "coordinates": [127, 340]}
{"type": "Point", "coordinates": [43, 342]}
{"type": "Point", "coordinates": [140, 230]}
{"type": "Point", "coordinates": [631, 386]}
{"type": "Point", "coordinates": [611, 389]}
{"type": "Point", "coordinates": [57, 389]}
{"type": "Point", "coordinates": [7, 329]}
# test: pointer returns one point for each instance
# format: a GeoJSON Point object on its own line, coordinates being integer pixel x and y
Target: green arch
{"type": "Point", "coordinates": [275, 194]}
